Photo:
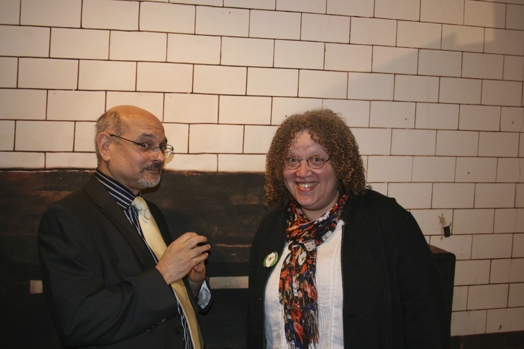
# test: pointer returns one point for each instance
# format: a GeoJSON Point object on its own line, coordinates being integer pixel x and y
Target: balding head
{"type": "Point", "coordinates": [116, 120]}
{"type": "Point", "coordinates": [131, 112]}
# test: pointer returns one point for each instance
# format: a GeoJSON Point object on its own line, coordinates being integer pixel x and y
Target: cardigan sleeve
{"type": "Point", "coordinates": [420, 288]}
{"type": "Point", "coordinates": [393, 293]}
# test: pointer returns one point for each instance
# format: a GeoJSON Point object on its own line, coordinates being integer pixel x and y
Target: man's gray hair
{"type": "Point", "coordinates": [110, 122]}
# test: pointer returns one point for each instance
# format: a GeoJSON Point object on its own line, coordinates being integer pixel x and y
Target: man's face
{"type": "Point", "coordinates": [129, 163]}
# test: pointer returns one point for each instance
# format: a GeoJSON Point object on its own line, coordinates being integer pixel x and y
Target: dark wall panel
{"type": "Point", "coordinates": [225, 207]}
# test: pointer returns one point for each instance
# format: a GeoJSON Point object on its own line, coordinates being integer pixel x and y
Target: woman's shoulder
{"type": "Point", "coordinates": [273, 217]}
{"type": "Point", "coordinates": [371, 197]}
{"type": "Point", "coordinates": [373, 202]}
{"type": "Point", "coordinates": [271, 229]}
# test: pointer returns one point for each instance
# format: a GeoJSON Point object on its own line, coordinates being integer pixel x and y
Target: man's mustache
{"type": "Point", "coordinates": [154, 167]}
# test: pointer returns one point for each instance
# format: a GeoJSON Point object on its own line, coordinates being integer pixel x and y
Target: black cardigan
{"type": "Point", "coordinates": [393, 293]}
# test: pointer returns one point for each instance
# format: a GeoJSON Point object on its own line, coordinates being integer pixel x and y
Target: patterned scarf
{"type": "Point", "coordinates": [297, 286]}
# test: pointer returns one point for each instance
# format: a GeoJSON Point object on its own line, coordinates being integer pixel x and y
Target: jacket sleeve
{"type": "Point", "coordinates": [421, 291]}
{"type": "Point", "coordinates": [96, 297]}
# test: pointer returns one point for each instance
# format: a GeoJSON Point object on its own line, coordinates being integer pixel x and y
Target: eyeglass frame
{"type": "Point", "coordinates": [307, 161]}
{"type": "Point", "coordinates": [145, 147]}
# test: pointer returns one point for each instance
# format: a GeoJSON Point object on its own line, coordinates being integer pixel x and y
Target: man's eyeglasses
{"type": "Point", "coordinates": [148, 149]}
{"type": "Point", "coordinates": [315, 162]}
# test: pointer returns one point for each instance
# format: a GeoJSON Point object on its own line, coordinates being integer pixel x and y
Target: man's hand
{"type": "Point", "coordinates": [196, 277]}
{"type": "Point", "coordinates": [184, 256]}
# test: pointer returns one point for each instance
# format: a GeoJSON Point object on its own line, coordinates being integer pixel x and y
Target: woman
{"type": "Point", "coordinates": [337, 265]}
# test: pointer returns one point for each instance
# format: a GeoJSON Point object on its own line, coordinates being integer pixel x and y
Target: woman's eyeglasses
{"type": "Point", "coordinates": [314, 162]}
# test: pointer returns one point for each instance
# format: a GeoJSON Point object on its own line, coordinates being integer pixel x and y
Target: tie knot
{"type": "Point", "coordinates": [140, 204]}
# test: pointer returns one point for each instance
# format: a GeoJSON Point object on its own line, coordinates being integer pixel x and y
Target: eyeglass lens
{"type": "Point", "coordinates": [314, 162]}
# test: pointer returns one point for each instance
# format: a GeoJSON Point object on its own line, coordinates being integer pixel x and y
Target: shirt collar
{"type": "Point", "coordinates": [123, 196]}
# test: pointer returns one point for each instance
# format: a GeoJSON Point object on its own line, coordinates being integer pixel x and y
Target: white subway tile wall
{"type": "Point", "coordinates": [417, 34]}
{"type": "Point", "coordinates": [351, 7]}
{"type": "Point", "coordinates": [460, 299]}
{"type": "Point", "coordinates": [7, 133]}
{"type": "Point", "coordinates": [84, 138]}
{"type": "Point", "coordinates": [439, 63]}
{"type": "Point", "coordinates": [64, 43]}
{"type": "Point", "coordinates": [427, 222]}
{"type": "Point", "coordinates": [504, 320]}
{"type": "Point", "coordinates": [442, 11]}
{"type": "Point", "coordinates": [516, 295]}
{"type": "Point", "coordinates": [372, 31]}
{"type": "Point", "coordinates": [154, 102]}
{"type": "Point", "coordinates": [509, 220]}
{"type": "Point", "coordinates": [518, 245]}
{"type": "Point", "coordinates": [513, 68]}
{"type": "Point", "coordinates": [519, 200]}
{"type": "Point", "coordinates": [473, 221]}
{"type": "Point", "coordinates": [469, 322]}
{"type": "Point", "coordinates": [472, 272]}
{"type": "Point", "coordinates": [433, 90]}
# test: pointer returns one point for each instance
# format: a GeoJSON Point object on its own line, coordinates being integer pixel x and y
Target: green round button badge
{"type": "Point", "coordinates": [271, 260]}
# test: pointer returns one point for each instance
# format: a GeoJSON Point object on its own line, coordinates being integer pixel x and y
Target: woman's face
{"type": "Point", "coordinates": [314, 189]}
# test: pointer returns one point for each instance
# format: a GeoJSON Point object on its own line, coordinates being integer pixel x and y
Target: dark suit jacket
{"type": "Point", "coordinates": [393, 294]}
{"type": "Point", "coordinates": [99, 277]}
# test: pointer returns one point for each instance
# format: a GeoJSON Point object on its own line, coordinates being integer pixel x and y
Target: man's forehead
{"type": "Point", "coordinates": [142, 123]}
{"type": "Point", "coordinates": [146, 126]}
{"type": "Point", "coordinates": [157, 134]}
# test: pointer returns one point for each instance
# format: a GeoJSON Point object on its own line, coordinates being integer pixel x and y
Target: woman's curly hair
{"type": "Point", "coordinates": [331, 132]}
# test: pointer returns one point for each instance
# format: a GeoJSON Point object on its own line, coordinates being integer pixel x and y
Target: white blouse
{"type": "Point", "coordinates": [329, 290]}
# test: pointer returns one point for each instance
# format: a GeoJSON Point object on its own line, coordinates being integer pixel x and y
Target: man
{"type": "Point", "coordinates": [104, 282]}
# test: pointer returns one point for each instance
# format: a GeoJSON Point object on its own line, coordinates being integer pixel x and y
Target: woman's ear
{"type": "Point", "coordinates": [103, 142]}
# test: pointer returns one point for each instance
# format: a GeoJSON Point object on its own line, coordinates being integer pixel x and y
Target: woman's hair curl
{"type": "Point", "coordinates": [331, 132]}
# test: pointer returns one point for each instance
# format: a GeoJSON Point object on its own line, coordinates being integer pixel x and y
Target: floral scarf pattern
{"type": "Point", "coordinates": [297, 285]}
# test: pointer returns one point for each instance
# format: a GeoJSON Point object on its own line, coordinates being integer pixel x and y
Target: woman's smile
{"type": "Point", "coordinates": [306, 185]}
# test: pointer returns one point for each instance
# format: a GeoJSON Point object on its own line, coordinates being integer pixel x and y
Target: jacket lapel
{"type": "Point", "coordinates": [114, 213]}
{"type": "Point", "coordinates": [273, 244]}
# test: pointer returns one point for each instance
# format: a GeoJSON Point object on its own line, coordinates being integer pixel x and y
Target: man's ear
{"type": "Point", "coordinates": [103, 142]}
